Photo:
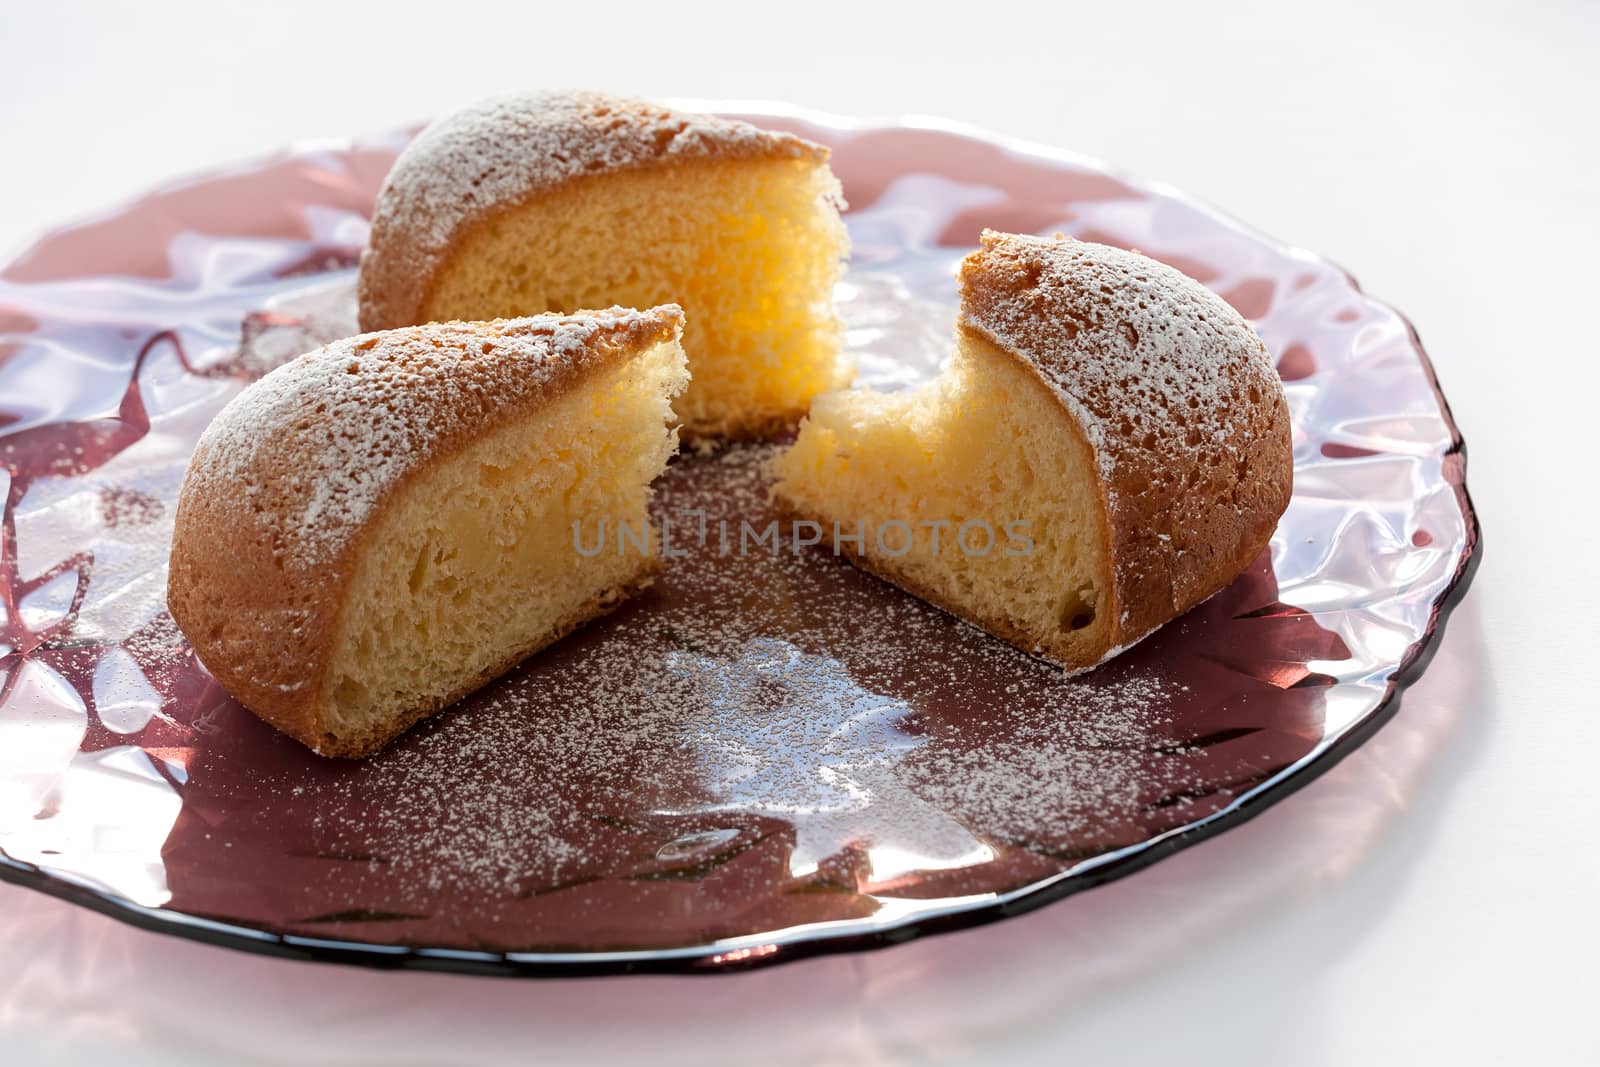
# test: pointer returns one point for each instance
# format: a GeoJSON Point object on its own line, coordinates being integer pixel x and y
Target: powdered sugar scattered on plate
{"type": "Point", "coordinates": [751, 694]}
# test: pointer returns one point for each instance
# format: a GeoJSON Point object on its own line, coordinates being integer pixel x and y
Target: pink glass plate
{"type": "Point", "coordinates": [768, 755]}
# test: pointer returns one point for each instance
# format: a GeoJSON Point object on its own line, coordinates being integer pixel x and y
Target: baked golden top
{"type": "Point", "coordinates": [502, 152]}
{"type": "Point", "coordinates": [305, 455]}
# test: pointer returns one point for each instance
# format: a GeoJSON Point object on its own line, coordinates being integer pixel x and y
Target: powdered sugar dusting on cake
{"type": "Point", "coordinates": [500, 152]}
{"type": "Point", "coordinates": [1135, 349]}
{"type": "Point", "coordinates": [1173, 391]}
{"type": "Point", "coordinates": [309, 450]}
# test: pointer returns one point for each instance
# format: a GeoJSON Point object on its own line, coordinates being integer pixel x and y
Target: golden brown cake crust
{"type": "Point", "coordinates": [294, 473]}
{"type": "Point", "coordinates": [465, 169]}
{"type": "Point", "coordinates": [1176, 395]}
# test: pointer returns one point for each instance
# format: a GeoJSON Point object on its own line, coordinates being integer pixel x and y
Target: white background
{"type": "Point", "coordinates": [1431, 900]}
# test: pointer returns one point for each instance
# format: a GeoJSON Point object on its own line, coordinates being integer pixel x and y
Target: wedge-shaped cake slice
{"type": "Point", "coordinates": [551, 201]}
{"type": "Point", "coordinates": [380, 526]}
{"type": "Point", "coordinates": [1108, 447]}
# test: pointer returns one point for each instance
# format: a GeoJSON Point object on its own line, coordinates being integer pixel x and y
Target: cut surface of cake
{"type": "Point", "coordinates": [557, 200]}
{"type": "Point", "coordinates": [381, 526]}
{"type": "Point", "coordinates": [1108, 446]}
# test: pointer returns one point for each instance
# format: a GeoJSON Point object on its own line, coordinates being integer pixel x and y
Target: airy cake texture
{"type": "Point", "coordinates": [552, 201]}
{"type": "Point", "coordinates": [1110, 435]}
{"type": "Point", "coordinates": [381, 526]}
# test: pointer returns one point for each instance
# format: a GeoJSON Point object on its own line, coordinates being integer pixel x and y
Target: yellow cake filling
{"type": "Point", "coordinates": [976, 491]}
{"type": "Point", "coordinates": [750, 249]}
{"type": "Point", "coordinates": [475, 562]}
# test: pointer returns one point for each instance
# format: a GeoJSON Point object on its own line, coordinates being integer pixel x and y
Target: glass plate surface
{"type": "Point", "coordinates": [770, 754]}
